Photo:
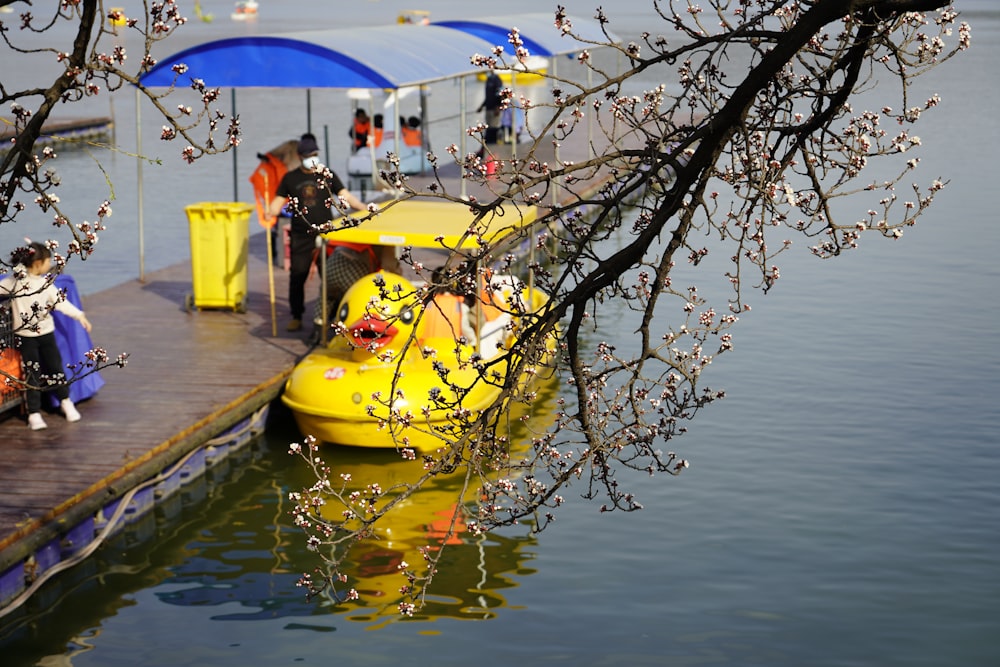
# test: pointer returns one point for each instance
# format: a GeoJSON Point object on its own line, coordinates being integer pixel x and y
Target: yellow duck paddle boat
{"type": "Point", "coordinates": [392, 341]}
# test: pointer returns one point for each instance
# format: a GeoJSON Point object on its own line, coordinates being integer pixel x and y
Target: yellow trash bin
{"type": "Point", "coordinates": [220, 246]}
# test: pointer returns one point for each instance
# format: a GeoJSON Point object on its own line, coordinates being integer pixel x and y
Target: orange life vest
{"type": "Point", "coordinates": [412, 136]}
{"type": "Point", "coordinates": [360, 132]}
{"type": "Point", "coordinates": [265, 181]}
{"type": "Point", "coordinates": [443, 317]}
{"type": "Point", "coordinates": [356, 247]}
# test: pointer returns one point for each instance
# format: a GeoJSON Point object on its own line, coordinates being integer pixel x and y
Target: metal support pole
{"type": "Point", "coordinates": [556, 182]}
{"type": "Point", "coordinates": [398, 122]}
{"type": "Point", "coordinates": [461, 135]}
{"type": "Point", "coordinates": [425, 130]}
{"type": "Point", "coordinates": [590, 115]}
{"type": "Point", "coordinates": [309, 110]}
{"type": "Point", "coordinates": [236, 170]}
{"type": "Point", "coordinates": [324, 315]}
{"type": "Point", "coordinates": [326, 144]}
{"type": "Point", "coordinates": [138, 171]}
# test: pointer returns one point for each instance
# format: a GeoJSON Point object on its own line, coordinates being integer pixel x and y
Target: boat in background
{"type": "Point", "coordinates": [414, 17]}
{"type": "Point", "coordinates": [245, 11]}
{"type": "Point", "coordinates": [371, 159]}
{"type": "Point", "coordinates": [63, 133]}
{"type": "Point", "coordinates": [528, 72]}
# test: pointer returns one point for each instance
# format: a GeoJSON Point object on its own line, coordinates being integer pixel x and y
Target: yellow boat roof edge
{"type": "Point", "coordinates": [432, 223]}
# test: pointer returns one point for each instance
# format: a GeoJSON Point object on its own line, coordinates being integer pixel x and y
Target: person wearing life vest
{"type": "Point", "coordinates": [378, 129]}
{"type": "Point", "coordinates": [447, 315]}
{"type": "Point", "coordinates": [412, 135]}
{"type": "Point", "coordinates": [360, 129]}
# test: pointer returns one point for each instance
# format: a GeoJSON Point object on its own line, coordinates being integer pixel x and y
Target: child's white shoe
{"type": "Point", "coordinates": [35, 421]}
{"type": "Point", "coordinates": [72, 414]}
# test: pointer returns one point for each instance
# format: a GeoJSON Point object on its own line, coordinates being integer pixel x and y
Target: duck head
{"type": "Point", "coordinates": [378, 312]}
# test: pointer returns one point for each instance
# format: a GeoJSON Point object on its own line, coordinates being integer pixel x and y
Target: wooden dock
{"type": "Point", "coordinates": [190, 377]}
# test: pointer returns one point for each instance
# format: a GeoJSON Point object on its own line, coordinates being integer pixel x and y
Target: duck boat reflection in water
{"type": "Point", "coordinates": [474, 569]}
{"type": "Point", "coordinates": [247, 560]}
{"type": "Point", "coordinates": [407, 356]}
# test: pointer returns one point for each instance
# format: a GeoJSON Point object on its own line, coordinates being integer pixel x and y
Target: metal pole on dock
{"type": "Point", "coordinates": [398, 123]}
{"type": "Point", "coordinates": [324, 316]}
{"type": "Point", "coordinates": [309, 110]}
{"type": "Point", "coordinates": [461, 135]}
{"type": "Point", "coordinates": [425, 131]}
{"type": "Point", "coordinates": [513, 115]}
{"type": "Point", "coordinates": [138, 171]}
{"type": "Point", "coordinates": [556, 182]}
{"type": "Point", "coordinates": [590, 116]}
{"type": "Point", "coordinates": [236, 187]}
{"type": "Point", "coordinates": [326, 144]}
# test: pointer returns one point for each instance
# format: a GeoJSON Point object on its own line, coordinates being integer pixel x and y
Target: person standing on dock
{"type": "Point", "coordinates": [311, 188]}
{"type": "Point", "coordinates": [492, 102]}
{"type": "Point", "coordinates": [33, 297]}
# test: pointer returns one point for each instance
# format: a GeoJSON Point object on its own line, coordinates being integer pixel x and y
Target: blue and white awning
{"type": "Point", "coordinates": [392, 56]}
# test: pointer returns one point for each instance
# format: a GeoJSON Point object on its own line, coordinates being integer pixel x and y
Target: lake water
{"type": "Point", "coordinates": [841, 509]}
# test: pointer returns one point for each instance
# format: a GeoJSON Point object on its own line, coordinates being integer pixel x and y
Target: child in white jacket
{"type": "Point", "coordinates": [33, 297]}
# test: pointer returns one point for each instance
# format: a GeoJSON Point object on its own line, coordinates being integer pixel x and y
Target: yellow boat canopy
{"type": "Point", "coordinates": [433, 223]}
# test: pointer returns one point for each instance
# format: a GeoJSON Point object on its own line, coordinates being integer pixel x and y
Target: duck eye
{"type": "Point", "coordinates": [406, 316]}
{"type": "Point", "coordinates": [342, 315]}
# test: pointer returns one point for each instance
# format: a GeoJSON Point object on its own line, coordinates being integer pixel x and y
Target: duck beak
{"type": "Point", "coordinates": [371, 333]}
